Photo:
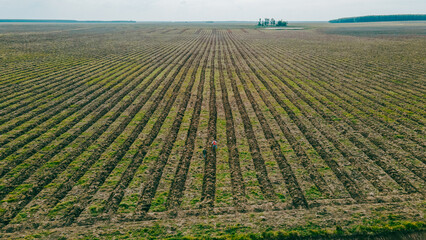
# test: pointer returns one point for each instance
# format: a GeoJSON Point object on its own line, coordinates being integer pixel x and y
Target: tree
{"type": "Point", "coordinates": [271, 22]}
{"type": "Point", "coordinates": [282, 23]}
{"type": "Point", "coordinates": [266, 21]}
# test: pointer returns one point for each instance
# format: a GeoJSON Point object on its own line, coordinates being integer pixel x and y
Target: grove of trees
{"type": "Point", "coordinates": [266, 22]}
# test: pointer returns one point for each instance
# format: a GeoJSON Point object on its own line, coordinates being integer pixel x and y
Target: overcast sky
{"type": "Point", "coordinates": [201, 10]}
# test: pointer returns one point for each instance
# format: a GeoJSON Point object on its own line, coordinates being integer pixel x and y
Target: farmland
{"type": "Point", "coordinates": [319, 131]}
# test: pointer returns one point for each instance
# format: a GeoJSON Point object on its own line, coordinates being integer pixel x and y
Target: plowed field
{"type": "Point", "coordinates": [105, 125]}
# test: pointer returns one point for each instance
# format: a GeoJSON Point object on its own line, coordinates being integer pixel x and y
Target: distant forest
{"type": "Point", "coordinates": [58, 21]}
{"type": "Point", "coordinates": [381, 18]}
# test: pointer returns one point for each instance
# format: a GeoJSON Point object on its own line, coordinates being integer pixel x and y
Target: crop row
{"type": "Point", "coordinates": [109, 104]}
{"type": "Point", "coordinates": [80, 103]}
{"type": "Point", "coordinates": [122, 137]}
{"type": "Point", "coordinates": [382, 163]}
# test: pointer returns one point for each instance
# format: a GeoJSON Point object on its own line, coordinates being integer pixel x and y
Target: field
{"type": "Point", "coordinates": [320, 131]}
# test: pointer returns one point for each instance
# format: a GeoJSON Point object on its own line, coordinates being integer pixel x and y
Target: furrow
{"type": "Point", "coordinates": [99, 98]}
{"type": "Point", "coordinates": [237, 181]}
{"type": "Point", "coordinates": [208, 190]}
{"type": "Point", "coordinates": [69, 182]}
{"type": "Point", "coordinates": [377, 155]}
{"type": "Point", "coordinates": [382, 164]}
{"type": "Point", "coordinates": [61, 112]}
{"type": "Point", "coordinates": [286, 170]}
{"type": "Point", "coordinates": [379, 124]}
{"type": "Point", "coordinates": [259, 163]}
{"type": "Point", "coordinates": [149, 188]}
{"type": "Point", "coordinates": [48, 176]}
{"type": "Point", "coordinates": [295, 144]}
{"type": "Point", "coordinates": [177, 187]}
{"type": "Point", "coordinates": [100, 177]}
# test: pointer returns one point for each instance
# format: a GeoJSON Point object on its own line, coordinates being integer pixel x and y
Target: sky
{"type": "Point", "coordinates": [203, 10]}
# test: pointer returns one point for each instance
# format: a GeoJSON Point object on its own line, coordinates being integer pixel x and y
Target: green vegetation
{"type": "Point", "coordinates": [271, 23]}
{"type": "Point", "coordinates": [381, 18]}
{"type": "Point", "coordinates": [106, 130]}
{"type": "Point", "coordinates": [240, 232]}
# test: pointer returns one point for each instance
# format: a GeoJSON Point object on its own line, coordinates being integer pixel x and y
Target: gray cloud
{"type": "Point", "coordinates": [192, 10]}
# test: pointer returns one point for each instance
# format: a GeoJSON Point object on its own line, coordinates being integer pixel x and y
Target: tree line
{"type": "Point", "coordinates": [271, 22]}
{"type": "Point", "coordinates": [381, 18]}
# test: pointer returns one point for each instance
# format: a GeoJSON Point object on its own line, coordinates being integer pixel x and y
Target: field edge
{"type": "Point", "coordinates": [346, 221]}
